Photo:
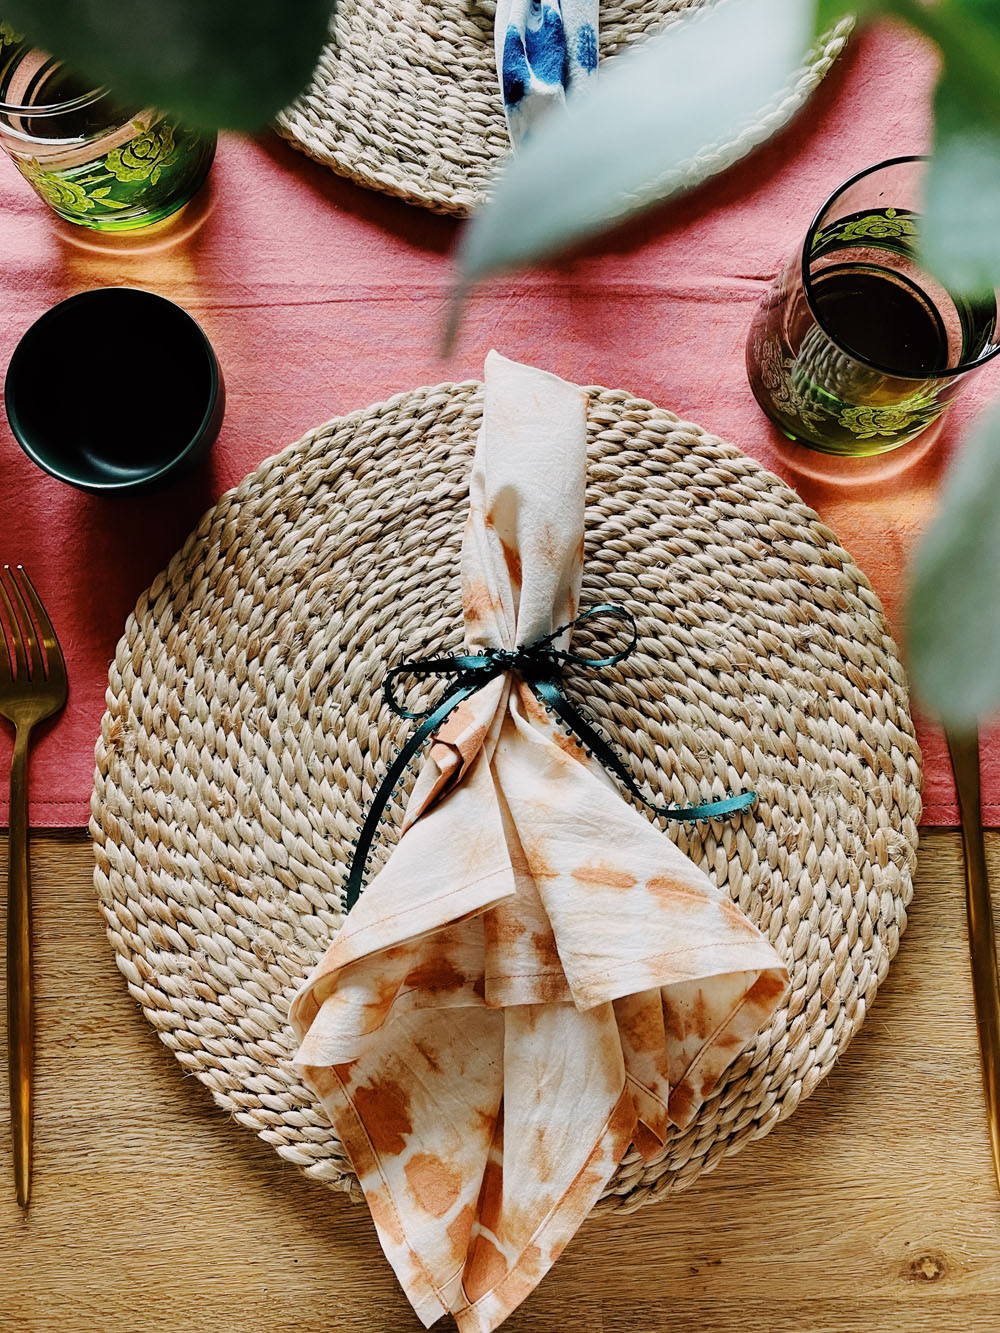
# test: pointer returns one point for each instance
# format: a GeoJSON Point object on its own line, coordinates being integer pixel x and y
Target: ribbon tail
{"type": "Point", "coordinates": [373, 819]}
{"type": "Point", "coordinates": [595, 744]}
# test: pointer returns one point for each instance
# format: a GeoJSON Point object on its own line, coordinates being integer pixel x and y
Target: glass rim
{"type": "Point", "coordinates": [949, 373]}
{"type": "Point", "coordinates": [52, 108]}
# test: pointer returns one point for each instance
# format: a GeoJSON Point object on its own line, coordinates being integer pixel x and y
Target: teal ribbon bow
{"type": "Point", "coordinates": [539, 665]}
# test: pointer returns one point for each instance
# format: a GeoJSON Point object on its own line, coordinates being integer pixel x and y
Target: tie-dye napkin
{"type": "Point", "coordinates": [545, 50]}
{"type": "Point", "coordinates": [538, 977]}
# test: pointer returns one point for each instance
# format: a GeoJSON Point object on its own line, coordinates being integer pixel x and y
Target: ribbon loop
{"type": "Point", "coordinates": [463, 665]}
{"type": "Point", "coordinates": [607, 609]}
{"type": "Point", "coordinates": [540, 665]}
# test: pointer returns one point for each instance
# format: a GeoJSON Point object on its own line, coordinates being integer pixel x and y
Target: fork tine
{"type": "Point", "coordinates": [6, 664]}
{"type": "Point", "coordinates": [30, 635]}
{"type": "Point", "coordinates": [20, 661]}
{"type": "Point", "coordinates": [53, 652]}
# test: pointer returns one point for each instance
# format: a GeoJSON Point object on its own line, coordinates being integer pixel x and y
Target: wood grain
{"type": "Point", "coordinates": [872, 1210]}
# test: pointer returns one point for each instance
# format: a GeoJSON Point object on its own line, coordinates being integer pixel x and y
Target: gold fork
{"type": "Point", "coordinates": [32, 688]}
{"type": "Point", "coordinates": [963, 749]}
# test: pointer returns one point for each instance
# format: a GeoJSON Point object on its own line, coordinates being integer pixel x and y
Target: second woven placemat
{"type": "Point", "coordinates": [405, 98]}
{"type": "Point", "coordinates": [245, 734]}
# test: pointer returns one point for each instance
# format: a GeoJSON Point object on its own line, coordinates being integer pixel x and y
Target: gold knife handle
{"type": "Point", "coordinates": [964, 751]}
{"type": "Point", "coordinates": [20, 1017]}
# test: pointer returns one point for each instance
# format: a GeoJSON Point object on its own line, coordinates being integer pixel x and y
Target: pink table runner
{"type": "Point", "coordinates": [320, 297]}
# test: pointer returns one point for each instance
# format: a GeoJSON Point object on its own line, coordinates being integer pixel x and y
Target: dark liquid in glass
{"type": "Point", "coordinates": [885, 320]}
{"type": "Point", "coordinates": [866, 358]}
{"type": "Point", "coordinates": [51, 84]}
{"type": "Point", "coordinates": [57, 86]}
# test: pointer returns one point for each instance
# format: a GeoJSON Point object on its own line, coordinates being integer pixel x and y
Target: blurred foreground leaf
{"type": "Point", "coordinates": [953, 616]}
{"type": "Point", "coordinates": [652, 110]}
{"type": "Point", "coordinates": [215, 63]}
{"type": "Point", "coordinates": [829, 12]}
{"type": "Point", "coordinates": [961, 224]}
{"type": "Point", "coordinates": [961, 236]}
{"type": "Point", "coordinates": [968, 34]}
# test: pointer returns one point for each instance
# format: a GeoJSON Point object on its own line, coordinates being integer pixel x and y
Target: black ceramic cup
{"type": "Point", "coordinates": [114, 390]}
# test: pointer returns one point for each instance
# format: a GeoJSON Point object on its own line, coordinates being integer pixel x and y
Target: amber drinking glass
{"type": "Point", "coordinates": [856, 348]}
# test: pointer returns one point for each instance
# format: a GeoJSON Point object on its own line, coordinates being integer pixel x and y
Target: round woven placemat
{"type": "Point", "coordinates": [245, 733]}
{"type": "Point", "coordinates": [405, 97]}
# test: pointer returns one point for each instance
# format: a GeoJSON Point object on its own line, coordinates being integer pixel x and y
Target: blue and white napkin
{"type": "Point", "coordinates": [546, 50]}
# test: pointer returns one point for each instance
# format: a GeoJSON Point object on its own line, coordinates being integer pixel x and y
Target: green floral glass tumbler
{"type": "Point", "coordinates": [93, 162]}
{"type": "Point", "coordinates": [856, 349]}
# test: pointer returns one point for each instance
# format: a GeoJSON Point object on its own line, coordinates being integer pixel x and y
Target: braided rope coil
{"type": "Point", "coordinates": [245, 733]}
{"type": "Point", "coordinates": [405, 97]}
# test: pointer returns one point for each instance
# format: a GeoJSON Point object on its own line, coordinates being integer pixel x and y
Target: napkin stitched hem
{"type": "Point", "coordinates": [683, 1095]}
{"type": "Point", "coordinates": [620, 1121]}
{"type": "Point", "coordinates": [645, 1088]}
{"type": "Point", "coordinates": [713, 1037]}
{"type": "Point", "coordinates": [375, 1158]}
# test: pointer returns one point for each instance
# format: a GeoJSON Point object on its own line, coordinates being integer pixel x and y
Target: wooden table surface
{"type": "Point", "coordinates": [873, 1209]}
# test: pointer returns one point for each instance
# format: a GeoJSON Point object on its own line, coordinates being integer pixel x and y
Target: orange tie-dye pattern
{"type": "Point", "coordinates": [538, 977]}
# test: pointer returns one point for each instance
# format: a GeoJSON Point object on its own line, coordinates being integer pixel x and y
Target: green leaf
{"type": "Point", "coordinates": [953, 615]}
{"type": "Point", "coordinates": [214, 63]}
{"type": "Point", "coordinates": [968, 34]}
{"type": "Point", "coordinates": [830, 12]}
{"type": "Point", "coordinates": [961, 225]}
{"type": "Point", "coordinates": [961, 241]}
{"type": "Point", "coordinates": [624, 145]}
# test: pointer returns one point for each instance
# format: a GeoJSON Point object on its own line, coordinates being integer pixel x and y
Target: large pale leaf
{"type": "Point", "coordinates": [652, 109]}
{"type": "Point", "coordinates": [953, 616]}
{"type": "Point", "coordinates": [216, 63]}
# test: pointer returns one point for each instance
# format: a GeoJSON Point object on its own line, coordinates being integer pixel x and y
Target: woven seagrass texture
{"type": "Point", "coordinates": [246, 731]}
{"type": "Point", "coordinates": [405, 97]}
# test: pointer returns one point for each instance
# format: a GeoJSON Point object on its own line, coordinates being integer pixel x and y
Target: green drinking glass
{"type": "Point", "coordinates": [856, 348]}
{"type": "Point", "coordinates": [95, 163]}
